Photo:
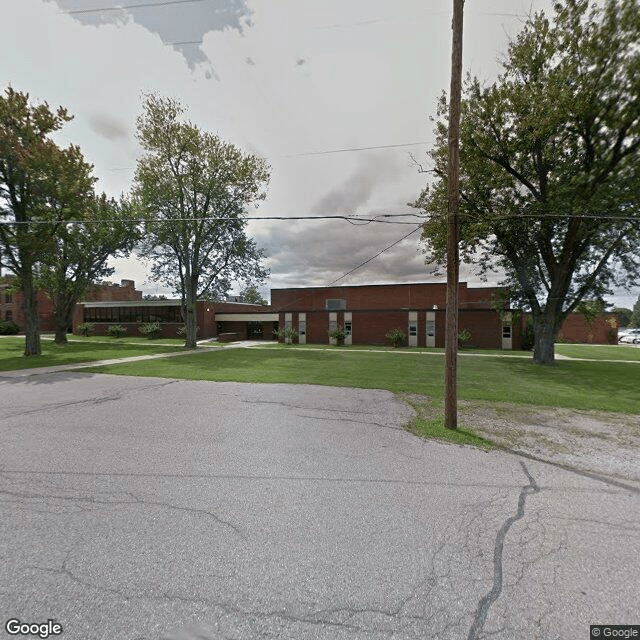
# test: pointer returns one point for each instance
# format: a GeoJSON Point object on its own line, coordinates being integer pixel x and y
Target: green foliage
{"type": "Point", "coordinates": [116, 331]}
{"type": "Point", "coordinates": [550, 164]}
{"type": "Point", "coordinates": [150, 329]}
{"type": "Point", "coordinates": [528, 336]}
{"type": "Point", "coordinates": [288, 334]}
{"type": "Point", "coordinates": [624, 315]}
{"type": "Point", "coordinates": [463, 337]}
{"type": "Point", "coordinates": [207, 184]}
{"type": "Point", "coordinates": [86, 328]}
{"type": "Point", "coordinates": [81, 252]}
{"type": "Point", "coordinates": [251, 295]}
{"type": "Point", "coordinates": [396, 337]}
{"type": "Point", "coordinates": [41, 186]}
{"type": "Point", "coordinates": [338, 334]}
{"type": "Point", "coordinates": [590, 310]}
{"type": "Point", "coordinates": [8, 328]}
{"type": "Point", "coordinates": [634, 320]}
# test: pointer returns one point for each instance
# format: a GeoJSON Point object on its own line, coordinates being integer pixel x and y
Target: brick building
{"type": "Point", "coordinates": [368, 312]}
{"type": "Point", "coordinates": [11, 302]}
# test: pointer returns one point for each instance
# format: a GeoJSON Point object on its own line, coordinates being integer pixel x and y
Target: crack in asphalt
{"type": "Point", "coordinates": [485, 602]}
{"type": "Point", "coordinates": [133, 502]}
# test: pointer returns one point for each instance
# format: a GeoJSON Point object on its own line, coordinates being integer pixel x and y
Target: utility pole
{"type": "Point", "coordinates": [453, 257]}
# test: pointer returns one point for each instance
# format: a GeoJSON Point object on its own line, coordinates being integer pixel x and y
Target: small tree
{"type": "Point", "coordinates": [396, 337]}
{"type": "Point", "coordinates": [251, 295]}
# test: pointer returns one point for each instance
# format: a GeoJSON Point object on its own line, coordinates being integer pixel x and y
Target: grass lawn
{"type": "Point", "coordinates": [599, 352]}
{"type": "Point", "coordinates": [601, 386]}
{"type": "Point", "coordinates": [12, 348]}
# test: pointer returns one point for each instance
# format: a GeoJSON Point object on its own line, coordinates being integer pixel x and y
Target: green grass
{"type": "Point", "coordinates": [599, 352]}
{"type": "Point", "coordinates": [12, 349]}
{"type": "Point", "coordinates": [600, 386]}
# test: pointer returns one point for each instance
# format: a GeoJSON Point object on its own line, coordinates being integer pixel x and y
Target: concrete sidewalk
{"type": "Point", "coordinates": [37, 371]}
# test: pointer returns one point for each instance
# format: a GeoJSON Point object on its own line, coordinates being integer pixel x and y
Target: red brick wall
{"type": "Point", "coordinates": [110, 292]}
{"type": "Point", "coordinates": [387, 296]}
{"type": "Point", "coordinates": [603, 331]}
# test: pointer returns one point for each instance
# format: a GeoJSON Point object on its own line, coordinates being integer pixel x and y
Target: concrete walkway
{"type": "Point", "coordinates": [72, 366]}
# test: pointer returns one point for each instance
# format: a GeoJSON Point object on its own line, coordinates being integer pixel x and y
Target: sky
{"type": "Point", "coordinates": [337, 95]}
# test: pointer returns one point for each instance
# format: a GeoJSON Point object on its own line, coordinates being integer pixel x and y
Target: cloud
{"type": "Point", "coordinates": [108, 127]}
{"type": "Point", "coordinates": [182, 23]}
{"type": "Point", "coordinates": [373, 172]}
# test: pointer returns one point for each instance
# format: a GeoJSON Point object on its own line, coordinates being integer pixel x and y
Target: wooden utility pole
{"type": "Point", "coordinates": [453, 258]}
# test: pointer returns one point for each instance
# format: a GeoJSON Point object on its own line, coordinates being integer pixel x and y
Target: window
{"type": "Point", "coordinates": [7, 298]}
{"type": "Point", "coordinates": [8, 315]}
{"type": "Point", "coordinates": [413, 329]}
{"type": "Point", "coordinates": [335, 304]}
{"type": "Point", "coordinates": [506, 331]}
{"type": "Point", "coordinates": [431, 328]}
{"type": "Point", "coordinates": [347, 327]}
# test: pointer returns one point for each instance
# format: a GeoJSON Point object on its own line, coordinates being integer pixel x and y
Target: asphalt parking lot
{"type": "Point", "coordinates": [146, 509]}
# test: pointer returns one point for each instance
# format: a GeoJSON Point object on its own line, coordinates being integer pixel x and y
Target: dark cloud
{"type": "Point", "coordinates": [356, 190]}
{"type": "Point", "coordinates": [108, 127]}
{"type": "Point", "coordinates": [183, 23]}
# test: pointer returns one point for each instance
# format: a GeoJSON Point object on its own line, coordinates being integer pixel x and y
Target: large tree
{"type": "Point", "coordinates": [80, 254]}
{"type": "Point", "coordinates": [550, 164]}
{"type": "Point", "coordinates": [41, 186]}
{"type": "Point", "coordinates": [194, 190]}
{"type": "Point", "coordinates": [634, 320]}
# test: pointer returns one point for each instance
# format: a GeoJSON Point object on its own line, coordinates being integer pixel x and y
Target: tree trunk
{"type": "Point", "coordinates": [30, 307]}
{"type": "Point", "coordinates": [545, 330]}
{"type": "Point", "coordinates": [63, 318]}
{"type": "Point", "coordinates": [190, 319]}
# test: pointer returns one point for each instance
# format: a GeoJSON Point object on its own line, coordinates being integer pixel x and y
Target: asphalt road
{"type": "Point", "coordinates": [138, 508]}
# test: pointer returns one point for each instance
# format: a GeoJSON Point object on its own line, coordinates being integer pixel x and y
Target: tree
{"type": "Point", "coordinates": [634, 320]}
{"type": "Point", "coordinates": [624, 315]}
{"type": "Point", "coordinates": [550, 164]}
{"type": "Point", "coordinates": [80, 254]}
{"type": "Point", "coordinates": [194, 190]}
{"type": "Point", "coordinates": [41, 186]}
{"type": "Point", "coordinates": [251, 295]}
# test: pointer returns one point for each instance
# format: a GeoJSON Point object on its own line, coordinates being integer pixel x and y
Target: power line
{"type": "Point", "coordinates": [374, 257]}
{"type": "Point", "coordinates": [382, 218]}
{"type": "Point", "coordinates": [382, 146]}
{"type": "Point", "coordinates": [133, 6]}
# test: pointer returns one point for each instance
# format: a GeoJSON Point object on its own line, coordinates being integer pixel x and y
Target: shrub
{"type": "Point", "coordinates": [338, 334]}
{"type": "Point", "coordinates": [288, 334]}
{"type": "Point", "coordinates": [86, 328]}
{"type": "Point", "coordinates": [396, 337]}
{"type": "Point", "coordinates": [116, 331]}
{"type": "Point", "coordinates": [8, 328]}
{"type": "Point", "coordinates": [528, 335]}
{"type": "Point", "coordinates": [150, 329]}
{"type": "Point", "coordinates": [463, 337]}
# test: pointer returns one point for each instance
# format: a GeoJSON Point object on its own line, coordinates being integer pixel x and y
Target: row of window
{"type": "Point", "coordinates": [133, 314]}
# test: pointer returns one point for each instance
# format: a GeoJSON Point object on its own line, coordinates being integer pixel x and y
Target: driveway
{"type": "Point", "coordinates": [146, 509]}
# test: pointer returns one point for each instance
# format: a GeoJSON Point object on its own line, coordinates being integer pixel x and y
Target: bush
{"type": "Point", "coordinates": [8, 328]}
{"type": "Point", "coordinates": [288, 334]}
{"type": "Point", "coordinates": [463, 337]}
{"type": "Point", "coordinates": [338, 334]}
{"type": "Point", "coordinates": [396, 337]}
{"type": "Point", "coordinates": [116, 331]}
{"type": "Point", "coordinates": [86, 328]}
{"type": "Point", "coordinates": [528, 336]}
{"type": "Point", "coordinates": [150, 329]}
